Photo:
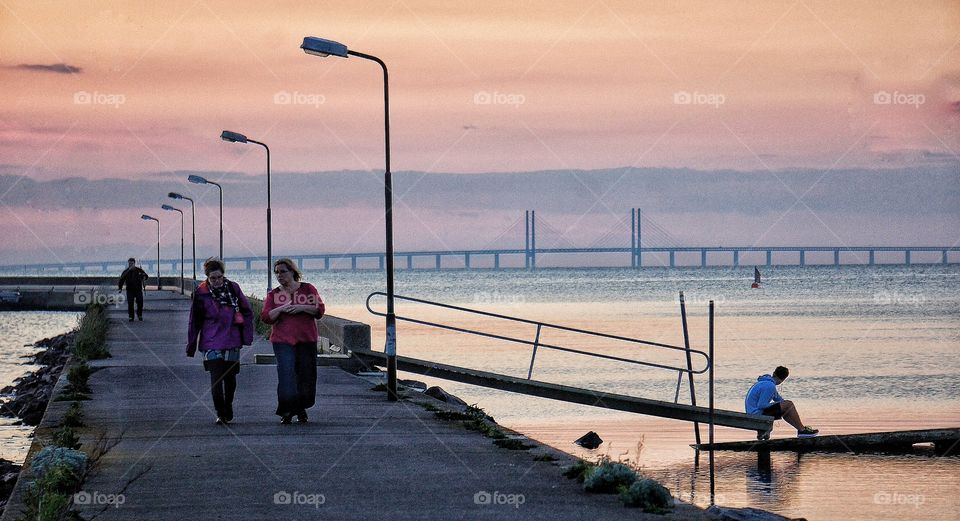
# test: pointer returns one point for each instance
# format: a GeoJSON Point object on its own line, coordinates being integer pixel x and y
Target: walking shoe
{"type": "Point", "coordinates": [807, 432]}
{"type": "Point", "coordinates": [302, 417]}
{"type": "Point", "coordinates": [131, 319]}
{"type": "Point", "coordinates": [286, 419]}
{"type": "Point", "coordinates": [140, 317]}
{"type": "Point", "coordinates": [221, 421]}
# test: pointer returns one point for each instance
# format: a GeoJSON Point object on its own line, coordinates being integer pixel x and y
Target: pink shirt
{"type": "Point", "coordinates": [296, 327]}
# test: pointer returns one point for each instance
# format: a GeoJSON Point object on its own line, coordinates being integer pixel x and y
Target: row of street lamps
{"type": "Point", "coordinates": [323, 48]}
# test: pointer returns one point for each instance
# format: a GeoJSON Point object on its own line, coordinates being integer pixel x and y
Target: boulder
{"type": "Point", "coordinates": [444, 396]}
{"type": "Point", "coordinates": [590, 440]}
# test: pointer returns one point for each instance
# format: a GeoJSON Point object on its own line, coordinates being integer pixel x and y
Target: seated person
{"type": "Point", "coordinates": [763, 398]}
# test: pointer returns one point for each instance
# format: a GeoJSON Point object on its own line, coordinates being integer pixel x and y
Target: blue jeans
{"type": "Point", "coordinates": [296, 377]}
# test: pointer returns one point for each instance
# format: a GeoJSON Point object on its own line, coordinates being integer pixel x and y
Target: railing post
{"type": "Point", "coordinates": [536, 343]}
{"type": "Point", "coordinates": [713, 485]}
{"type": "Point", "coordinates": [686, 345]}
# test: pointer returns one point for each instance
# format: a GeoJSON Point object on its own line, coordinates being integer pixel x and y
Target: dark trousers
{"type": "Point", "coordinates": [138, 297]}
{"type": "Point", "coordinates": [296, 377]}
{"type": "Point", "coordinates": [223, 385]}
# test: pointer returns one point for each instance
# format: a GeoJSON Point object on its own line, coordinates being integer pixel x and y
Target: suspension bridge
{"type": "Point", "coordinates": [552, 245]}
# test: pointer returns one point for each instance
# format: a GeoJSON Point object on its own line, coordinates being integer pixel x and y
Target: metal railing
{"type": "Point", "coordinates": [536, 343]}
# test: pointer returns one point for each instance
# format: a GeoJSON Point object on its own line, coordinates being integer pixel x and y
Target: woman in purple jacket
{"type": "Point", "coordinates": [221, 322]}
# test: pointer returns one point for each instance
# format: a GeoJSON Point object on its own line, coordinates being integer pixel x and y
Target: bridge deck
{"type": "Point", "coordinates": [676, 411]}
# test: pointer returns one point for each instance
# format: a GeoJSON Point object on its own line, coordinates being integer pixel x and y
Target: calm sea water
{"type": "Point", "coordinates": [18, 332]}
{"type": "Point", "coordinates": [869, 348]}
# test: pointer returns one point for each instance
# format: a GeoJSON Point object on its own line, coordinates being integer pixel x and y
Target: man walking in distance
{"type": "Point", "coordinates": [135, 280]}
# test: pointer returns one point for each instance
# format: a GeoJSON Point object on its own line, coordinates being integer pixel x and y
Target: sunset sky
{"type": "Point", "coordinates": [136, 90]}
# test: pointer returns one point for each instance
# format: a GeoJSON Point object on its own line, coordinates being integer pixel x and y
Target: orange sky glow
{"type": "Point", "coordinates": [478, 87]}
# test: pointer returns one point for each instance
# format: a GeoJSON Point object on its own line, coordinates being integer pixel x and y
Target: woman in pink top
{"type": "Point", "coordinates": [293, 309]}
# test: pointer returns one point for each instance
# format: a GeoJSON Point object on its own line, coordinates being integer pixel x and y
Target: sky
{"type": "Point", "coordinates": [140, 92]}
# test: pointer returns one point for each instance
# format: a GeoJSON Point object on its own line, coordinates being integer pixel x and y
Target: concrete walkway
{"type": "Point", "coordinates": [360, 456]}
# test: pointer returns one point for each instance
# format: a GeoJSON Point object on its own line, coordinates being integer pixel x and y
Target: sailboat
{"type": "Point", "coordinates": [756, 278]}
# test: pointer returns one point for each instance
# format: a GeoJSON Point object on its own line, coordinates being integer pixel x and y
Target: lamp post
{"type": "Point", "coordinates": [204, 181]}
{"type": "Point", "coordinates": [236, 137]}
{"type": "Point", "coordinates": [323, 48]}
{"type": "Point", "coordinates": [172, 209]}
{"type": "Point", "coordinates": [193, 229]}
{"type": "Point", "coordinates": [146, 217]}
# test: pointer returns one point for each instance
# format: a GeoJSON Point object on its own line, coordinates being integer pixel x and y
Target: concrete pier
{"type": "Point", "coordinates": [359, 457]}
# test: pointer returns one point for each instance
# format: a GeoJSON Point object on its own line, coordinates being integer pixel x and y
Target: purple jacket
{"type": "Point", "coordinates": [211, 324]}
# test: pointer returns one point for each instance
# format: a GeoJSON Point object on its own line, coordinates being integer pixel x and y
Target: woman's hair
{"type": "Point", "coordinates": [290, 265]}
{"type": "Point", "coordinates": [213, 264]}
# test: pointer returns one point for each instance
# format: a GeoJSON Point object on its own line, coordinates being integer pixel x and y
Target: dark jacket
{"type": "Point", "coordinates": [134, 279]}
{"type": "Point", "coordinates": [211, 324]}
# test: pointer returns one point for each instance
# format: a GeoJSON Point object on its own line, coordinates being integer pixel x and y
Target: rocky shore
{"type": "Point", "coordinates": [30, 395]}
{"type": "Point", "coordinates": [32, 391]}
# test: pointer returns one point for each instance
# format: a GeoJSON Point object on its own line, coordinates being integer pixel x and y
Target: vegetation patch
{"type": "Point", "coordinates": [262, 328]}
{"type": "Point", "coordinates": [649, 495]}
{"type": "Point", "coordinates": [544, 457]}
{"type": "Point", "coordinates": [608, 478]}
{"type": "Point", "coordinates": [91, 339]}
{"type": "Point", "coordinates": [513, 444]}
{"type": "Point", "coordinates": [74, 416]}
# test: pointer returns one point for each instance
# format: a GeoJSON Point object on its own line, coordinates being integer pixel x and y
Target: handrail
{"type": "Point", "coordinates": [540, 325]}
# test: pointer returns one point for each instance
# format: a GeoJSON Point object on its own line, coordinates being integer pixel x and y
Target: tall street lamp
{"type": "Point", "coordinates": [204, 181]}
{"type": "Point", "coordinates": [172, 209]}
{"type": "Point", "coordinates": [193, 228]}
{"type": "Point", "coordinates": [321, 47]}
{"type": "Point", "coordinates": [235, 137]}
{"type": "Point", "coordinates": [146, 217]}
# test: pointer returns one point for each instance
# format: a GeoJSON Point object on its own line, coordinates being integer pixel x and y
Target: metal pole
{"type": "Point", "coordinates": [182, 289]}
{"type": "Point", "coordinates": [391, 341]}
{"type": "Point", "coordinates": [220, 189]}
{"type": "Point", "coordinates": [633, 238]}
{"type": "Point", "coordinates": [686, 345]}
{"type": "Point", "coordinates": [713, 485]}
{"type": "Point", "coordinates": [158, 255]}
{"type": "Point", "coordinates": [269, 221]}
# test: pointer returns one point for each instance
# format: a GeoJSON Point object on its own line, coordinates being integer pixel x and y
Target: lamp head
{"type": "Point", "coordinates": [168, 207]}
{"type": "Point", "coordinates": [321, 47]}
{"type": "Point", "coordinates": [174, 195]}
{"type": "Point", "coordinates": [146, 217]}
{"type": "Point", "coordinates": [233, 137]}
{"type": "Point", "coordinates": [197, 180]}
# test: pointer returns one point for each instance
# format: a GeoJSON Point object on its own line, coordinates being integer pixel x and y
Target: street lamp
{"type": "Point", "coordinates": [323, 48]}
{"type": "Point", "coordinates": [193, 228]}
{"type": "Point", "coordinates": [236, 137]}
{"type": "Point", "coordinates": [146, 217]}
{"type": "Point", "coordinates": [204, 181]}
{"type": "Point", "coordinates": [172, 209]}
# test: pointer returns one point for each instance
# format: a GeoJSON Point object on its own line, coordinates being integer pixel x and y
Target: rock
{"type": "Point", "coordinates": [9, 472]}
{"type": "Point", "coordinates": [413, 384]}
{"type": "Point", "coordinates": [444, 396]}
{"type": "Point", "coordinates": [745, 514]}
{"type": "Point", "coordinates": [590, 440]}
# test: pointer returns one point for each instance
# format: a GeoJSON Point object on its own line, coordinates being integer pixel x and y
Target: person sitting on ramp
{"type": "Point", "coordinates": [763, 398]}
